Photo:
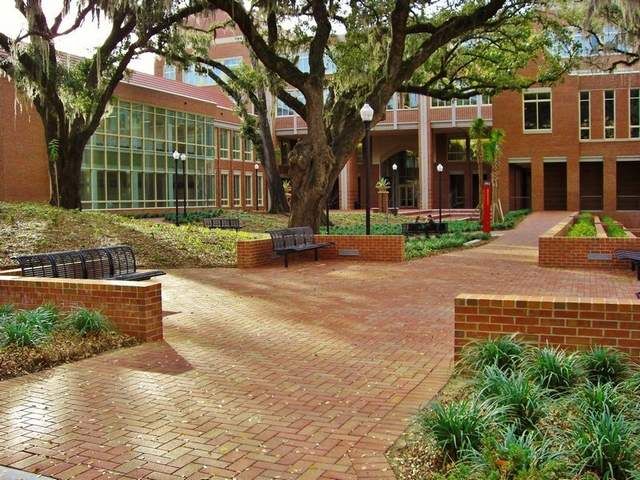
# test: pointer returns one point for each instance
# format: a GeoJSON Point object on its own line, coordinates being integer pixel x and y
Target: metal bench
{"type": "Point", "coordinates": [295, 240]}
{"type": "Point", "coordinates": [424, 228]}
{"type": "Point", "coordinates": [223, 223]}
{"type": "Point", "coordinates": [633, 256]}
{"type": "Point", "coordinates": [106, 263]}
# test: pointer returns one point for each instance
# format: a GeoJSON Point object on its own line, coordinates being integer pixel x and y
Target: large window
{"type": "Point", "coordinates": [224, 143]}
{"type": "Point", "coordinates": [634, 113]}
{"type": "Point", "coordinates": [609, 114]}
{"type": "Point", "coordinates": [456, 149]}
{"type": "Point", "coordinates": [462, 102]}
{"type": "Point", "coordinates": [436, 102]}
{"type": "Point", "coordinates": [248, 189]}
{"type": "Point", "coordinates": [537, 111]}
{"type": "Point", "coordinates": [260, 190]}
{"type": "Point", "coordinates": [407, 100]}
{"type": "Point", "coordinates": [236, 189]}
{"type": "Point", "coordinates": [128, 161]}
{"type": "Point", "coordinates": [248, 150]}
{"type": "Point", "coordinates": [192, 77]}
{"type": "Point", "coordinates": [224, 189]}
{"type": "Point", "coordinates": [237, 146]}
{"type": "Point", "coordinates": [585, 116]}
{"type": "Point", "coordinates": [169, 72]}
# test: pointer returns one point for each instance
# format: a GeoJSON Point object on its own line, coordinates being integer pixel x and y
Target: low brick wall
{"type": "Point", "coordinates": [373, 248]}
{"type": "Point", "coordinates": [557, 250]}
{"type": "Point", "coordinates": [571, 323]}
{"type": "Point", "coordinates": [135, 308]}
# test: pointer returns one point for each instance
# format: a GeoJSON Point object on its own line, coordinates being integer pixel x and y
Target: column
{"type": "Point", "coordinates": [610, 187]}
{"type": "Point", "coordinates": [537, 184]}
{"type": "Point", "coordinates": [468, 176]}
{"type": "Point", "coordinates": [573, 183]}
{"type": "Point", "coordinates": [424, 151]}
{"type": "Point", "coordinates": [343, 182]}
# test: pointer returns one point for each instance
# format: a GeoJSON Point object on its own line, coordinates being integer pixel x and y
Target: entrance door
{"type": "Point", "coordinates": [456, 190]}
{"type": "Point", "coordinates": [591, 185]}
{"type": "Point", "coordinates": [519, 186]}
{"type": "Point", "coordinates": [555, 186]}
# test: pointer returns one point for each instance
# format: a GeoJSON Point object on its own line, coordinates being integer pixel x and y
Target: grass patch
{"type": "Point", "coordinates": [33, 340]}
{"type": "Point", "coordinates": [613, 228]}
{"type": "Point", "coordinates": [423, 247]}
{"type": "Point", "coordinates": [583, 226]}
{"type": "Point", "coordinates": [527, 413]}
{"type": "Point", "coordinates": [511, 219]}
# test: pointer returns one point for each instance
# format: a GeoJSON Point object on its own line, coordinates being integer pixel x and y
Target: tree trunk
{"type": "Point", "coordinates": [68, 168]}
{"type": "Point", "coordinates": [279, 202]}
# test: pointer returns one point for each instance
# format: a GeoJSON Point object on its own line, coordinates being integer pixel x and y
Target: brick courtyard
{"type": "Point", "coordinates": [310, 372]}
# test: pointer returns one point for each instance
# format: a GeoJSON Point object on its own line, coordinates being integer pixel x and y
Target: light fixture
{"type": "Point", "coordinates": [439, 168]}
{"type": "Point", "coordinates": [256, 166]}
{"type": "Point", "coordinates": [176, 155]}
{"type": "Point", "coordinates": [183, 156]}
{"type": "Point", "coordinates": [394, 167]}
{"type": "Point", "coordinates": [366, 113]}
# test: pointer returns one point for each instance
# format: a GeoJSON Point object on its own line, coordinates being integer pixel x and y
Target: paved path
{"type": "Point", "coordinates": [310, 372]}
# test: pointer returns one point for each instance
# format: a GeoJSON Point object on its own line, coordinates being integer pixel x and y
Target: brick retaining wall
{"type": "Point", "coordinates": [557, 250]}
{"type": "Point", "coordinates": [375, 248]}
{"type": "Point", "coordinates": [135, 308]}
{"type": "Point", "coordinates": [571, 323]}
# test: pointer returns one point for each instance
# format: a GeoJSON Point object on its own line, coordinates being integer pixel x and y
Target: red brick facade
{"type": "Point", "coordinates": [135, 308]}
{"type": "Point", "coordinates": [372, 248]}
{"type": "Point", "coordinates": [572, 323]}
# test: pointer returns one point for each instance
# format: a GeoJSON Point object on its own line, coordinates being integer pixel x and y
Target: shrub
{"type": "Point", "coordinates": [458, 426]}
{"type": "Point", "coordinates": [599, 397]}
{"type": "Point", "coordinates": [86, 321]}
{"type": "Point", "coordinates": [28, 327]}
{"type": "Point", "coordinates": [605, 444]}
{"type": "Point", "coordinates": [612, 227]}
{"type": "Point", "coordinates": [6, 311]}
{"type": "Point", "coordinates": [511, 219]}
{"type": "Point", "coordinates": [552, 368]}
{"type": "Point", "coordinates": [502, 352]}
{"type": "Point", "coordinates": [583, 226]}
{"type": "Point", "coordinates": [194, 217]}
{"type": "Point", "coordinates": [421, 247]}
{"type": "Point", "coordinates": [603, 364]}
{"type": "Point", "coordinates": [522, 399]}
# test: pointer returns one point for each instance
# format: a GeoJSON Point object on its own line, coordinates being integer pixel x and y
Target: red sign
{"type": "Point", "coordinates": [486, 208]}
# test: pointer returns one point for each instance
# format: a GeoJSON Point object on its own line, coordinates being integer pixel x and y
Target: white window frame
{"type": "Point", "coordinates": [224, 131]}
{"type": "Point", "coordinates": [260, 189]}
{"type": "Point", "coordinates": [237, 202]}
{"type": "Point", "coordinates": [437, 103]}
{"type": "Point", "coordinates": [236, 155]}
{"type": "Point", "coordinates": [580, 127]}
{"type": "Point", "coordinates": [248, 198]}
{"type": "Point", "coordinates": [537, 130]}
{"type": "Point", "coordinates": [224, 201]}
{"type": "Point", "coordinates": [604, 114]}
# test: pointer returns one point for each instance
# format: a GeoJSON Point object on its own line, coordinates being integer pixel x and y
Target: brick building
{"type": "Point", "coordinates": [573, 146]}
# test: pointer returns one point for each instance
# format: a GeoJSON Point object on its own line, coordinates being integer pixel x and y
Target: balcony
{"type": "Point", "coordinates": [459, 116]}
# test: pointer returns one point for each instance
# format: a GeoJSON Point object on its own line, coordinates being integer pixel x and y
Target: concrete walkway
{"type": "Point", "coordinates": [310, 372]}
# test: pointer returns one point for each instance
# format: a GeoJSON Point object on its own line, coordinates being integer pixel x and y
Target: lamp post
{"type": "Point", "coordinates": [176, 158]}
{"type": "Point", "coordinates": [255, 168]}
{"type": "Point", "coordinates": [440, 169]}
{"type": "Point", "coordinates": [394, 193]}
{"type": "Point", "coordinates": [366, 114]}
{"type": "Point", "coordinates": [183, 157]}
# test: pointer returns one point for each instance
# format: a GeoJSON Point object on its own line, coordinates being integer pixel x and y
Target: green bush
{"type": "Point", "coordinates": [522, 399]}
{"type": "Point", "coordinates": [85, 322]}
{"type": "Point", "coordinates": [599, 397]}
{"type": "Point", "coordinates": [422, 247]}
{"type": "Point", "coordinates": [603, 364]}
{"type": "Point", "coordinates": [552, 368]}
{"type": "Point", "coordinates": [511, 219]}
{"type": "Point", "coordinates": [606, 444]}
{"type": "Point", "coordinates": [28, 327]}
{"type": "Point", "coordinates": [194, 217]}
{"type": "Point", "coordinates": [458, 426]}
{"type": "Point", "coordinates": [6, 311]}
{"type": "Point", "coordinates": [503, 352]}
{"type": "Point", "coordinates": [376, 229]}
{"type": "Point", "coordinates": [612, 227]}
{"type": "Point", "coordinates": [583, 226]}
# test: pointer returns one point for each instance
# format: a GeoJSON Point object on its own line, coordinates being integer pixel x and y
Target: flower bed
{"type": "Point", "coordinates": [33, 340]}
{"type": "Point", "coordinates": [519, 412]}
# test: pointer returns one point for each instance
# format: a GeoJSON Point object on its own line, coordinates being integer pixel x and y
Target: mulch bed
{"type": "Point", "coordinates": [62, 347]}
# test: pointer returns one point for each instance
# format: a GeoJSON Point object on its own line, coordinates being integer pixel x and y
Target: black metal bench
{"type": "Point", "coordinates": [106, 263]}
{"type": "Point", "coordinates": [295, 240]}
{"type": "Point", "coordinates": [424, 228]}
{"type": "Point", "coordinates": [633, 256]}
{"type": "Point", "coordinates": [223, 223]}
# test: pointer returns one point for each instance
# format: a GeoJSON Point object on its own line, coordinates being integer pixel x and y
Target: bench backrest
{"type": "Point", "coordinates": [218, 222]}
{"type": "Point", "coordinates": [94, 263]}
{"type": "Point", "coordinates": [292, 237]}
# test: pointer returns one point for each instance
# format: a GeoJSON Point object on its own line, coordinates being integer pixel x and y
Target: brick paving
{"type": "Point", "coordinates": [310, 372]}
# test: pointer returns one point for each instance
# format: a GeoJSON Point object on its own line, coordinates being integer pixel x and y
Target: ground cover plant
{"type": "Point", "coordinates": [583, 226]}
{"type": "Point", "coordinates": [613, 228]}
{"type": "Point", "coordinates": [514, 411]}
{"type": "Point", "coordinates": [33, 340]}
{"type": "Point", "coordinates": [422, 247]}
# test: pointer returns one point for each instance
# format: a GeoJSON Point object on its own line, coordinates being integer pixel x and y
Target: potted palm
{"type": "Point", "coordinates": [382, 186]}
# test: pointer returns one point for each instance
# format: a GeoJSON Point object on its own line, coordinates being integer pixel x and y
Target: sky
{"type": "Point", "coordinates": [82, 41]}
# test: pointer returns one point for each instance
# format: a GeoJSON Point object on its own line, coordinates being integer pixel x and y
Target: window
{"type": "Point", "coordinates": [303, 64]}
{"type": "Point", "coordinates": [634, 113]}
{"type": "Point", "coordinates": [236, 189]}
{"type": "Point", "coordinates": [260, 191]}
{"type": "Point", "coordinates": [248, 189]}
{"type": "Point", "coordinates": [169, 72]}
{"type": "Point", "coordinates": [198, 79]}
{"type": "Point", "coordinates": [436, 102]}
{"type": "Point", "coordinates": [237, 146]}
{"type": "Point", "coordinates": [456, 149]}
{"type": "Point", "coordinates": [283, 110]}
{"type": "Point", "coordinates": [248, 150]}
{"type": "Point", "coordinates": [465, 102]}
{"type": "Point", "coordinates": [537, 111]}
{"type": "Point", "coordinates": [391, 104]}
{"type": "Point", "coordinates": [486, 99]}
{"type": "Point", "coordinates": [224, 189]}
{"type": "Point", "coordinates": [407, 100]}
{"type": "Point", "coordinates": [224, 143]}
{"type": "Point", "coordinates": [609, 114]}
{"type": "Point", "coordinates": [585, 118]}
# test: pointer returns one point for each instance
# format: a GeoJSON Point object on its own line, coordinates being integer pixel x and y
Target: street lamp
{"type": "Point", "coordinates": [394, 193]}
{"type": "Point", "coordinates": [183, 157]}
{"type": "Point", "coordinates": [366, 114]}
{"type": "Point", "coordinates": [256, 166]}
{"type": "Point", "coordinates": [440, 169]}
{"type": "Point", "coordinates": [176, 158]}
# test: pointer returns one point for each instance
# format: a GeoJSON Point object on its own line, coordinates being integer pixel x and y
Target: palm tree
{"type": "Point", "coordinates": [478, 132]}
{"type": "Point", "coordinates": [492, 154]}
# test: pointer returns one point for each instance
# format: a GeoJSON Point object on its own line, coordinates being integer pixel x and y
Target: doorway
{"type": "Point", "coordinates": [591, 185]}
{"type": "Point", "coordinates": [519, 186]}
{"type": "Point", "coordinates": [555, 186]}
